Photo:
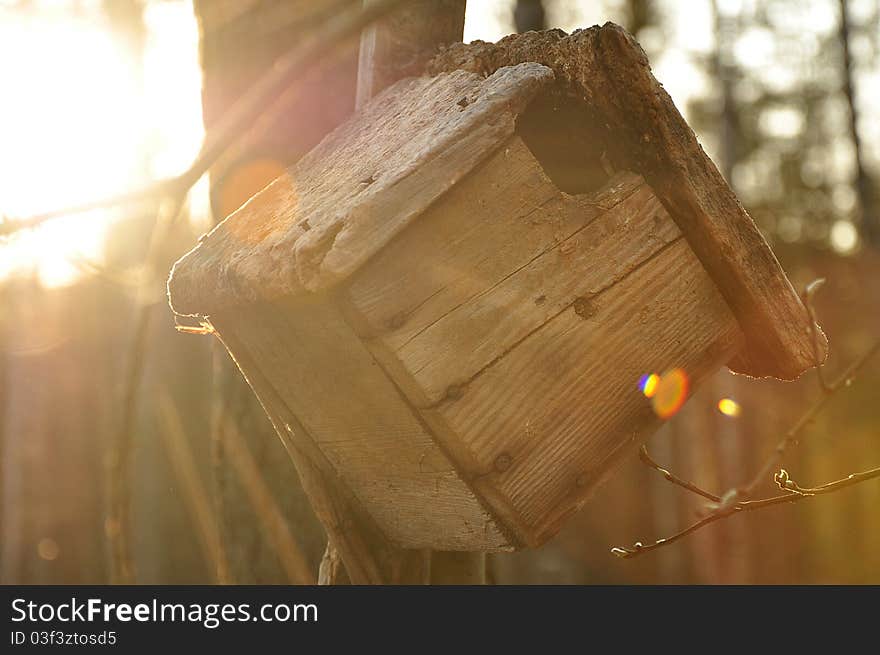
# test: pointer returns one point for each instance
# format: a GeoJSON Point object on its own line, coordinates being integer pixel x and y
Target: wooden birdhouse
{"type": "Point", "coordinates": [447, 305]}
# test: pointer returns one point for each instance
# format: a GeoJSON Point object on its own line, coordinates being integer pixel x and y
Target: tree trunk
{"type": "Point", "coordinates": [870, 213]}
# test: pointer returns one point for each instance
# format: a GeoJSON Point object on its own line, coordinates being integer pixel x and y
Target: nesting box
{"type": "Point", "coordinates": [449, 302]}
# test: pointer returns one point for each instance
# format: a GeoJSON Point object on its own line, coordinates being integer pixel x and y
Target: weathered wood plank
{"type": "Point", "coordinates": [365, 182]}
{"type": "Point", "coordinates": [508, 252]}
{"type": "Point", "coordinates": [607, 69]}
{"type": "Point", "coordinates": [546, 422]}
{"type": "Point", "coordinates": [363, 426]}
{"type": "Point", "coordinates": [391, 49]}
{"type": "Point", "coordinates": [349, 528]}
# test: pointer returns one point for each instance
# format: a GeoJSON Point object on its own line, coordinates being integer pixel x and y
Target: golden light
{"type": "Point", "coordinates": [844, 237]}
{"type": "Point", "coordinates": [671, 393]}
{"type": "Point", "coordinates": [48, 549]}
{"type": "Point", "coordinates": [729, 407]}
{"type": "Point", "coordinates": [83, 118]}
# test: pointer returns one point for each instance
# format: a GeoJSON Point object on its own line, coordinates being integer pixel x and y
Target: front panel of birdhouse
{"type": "Point", "coordinates": [476, 379]}
{"type": "Point", "coordinates": [517, 320]}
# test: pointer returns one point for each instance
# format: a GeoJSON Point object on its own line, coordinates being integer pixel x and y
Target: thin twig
{"type": "Point", "coordinates": [784, 482]}
{"type": "Point", "coordinates": [733, 500]}
{"type": "Point", "coordinates": [647, 459]}
{"type": "Point", "coordinates": [807, 297]}
{"type": "Point", "coordinates": [795, 494]}
{"type": "Point", "coordinates": [844, 380]}
{"type": "Point", "coordinates": [152, 191]}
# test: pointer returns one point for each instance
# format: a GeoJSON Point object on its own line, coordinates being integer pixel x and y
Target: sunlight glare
{"type": "Point", "coordinates": [729, 407]}
{"type": "Point", "coordinates": [80, 122]}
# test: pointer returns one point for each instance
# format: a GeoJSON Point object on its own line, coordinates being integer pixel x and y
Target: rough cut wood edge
{"type": "Point", "coordinates": [352, 193]}
{"type": "Point", "coordinates": [606, 68]}
{"type": "Point", "coordinates": [368, 434]}
{"type": "Point", "coordinates": [331, 500]}
{"type": "Point", "coordinates": [367, 555]}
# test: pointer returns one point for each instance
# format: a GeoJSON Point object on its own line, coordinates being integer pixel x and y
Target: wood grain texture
{"type": "Point", "coordinates": [545, 423]}
{"type": "Point", "coordinates": [606, 68]}
{"type": "Point", "coordinates": [509, 252]}
{"type": "Point", "coordinates": [364, 429]}
{"type": "Point", "coordinates": [333, 503]}
{"type": "Point", "coordinates": [349, 196]}
{"type": "Point", "coordinates": [521, 331]}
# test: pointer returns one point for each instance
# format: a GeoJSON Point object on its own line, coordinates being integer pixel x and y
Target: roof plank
{"type": "Point", "coordinates": [348, 197]}
{"type": "Point", "coordinates": [607, 69]}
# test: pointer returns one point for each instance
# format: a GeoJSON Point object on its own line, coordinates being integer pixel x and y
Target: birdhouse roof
{"type": "Point", "coordinates": [358, 188]}
{"type": "Point", "coordinates": [375, 174]}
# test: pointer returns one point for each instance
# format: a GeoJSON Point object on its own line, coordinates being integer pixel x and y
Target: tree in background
{"type": "Point", "coordinates": [868, 209]}
{"type": "Point", "coordinates": [529, 15]}
{"type": "Point", "coordinates": [781, 120]}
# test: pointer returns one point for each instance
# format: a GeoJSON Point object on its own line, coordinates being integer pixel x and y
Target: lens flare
{"type": "Point", "coordinates": [670, 393]}
{"type": "Point", "coordinates": [729, 407]}
{"type": "Point", "coordinates": [648, 384]}
{"type": "Point", "coordinates": [48, 549]}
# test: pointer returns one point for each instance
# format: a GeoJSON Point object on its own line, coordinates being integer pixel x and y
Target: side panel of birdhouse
{"type": "Point", "coordinates": [366, 433]}
{"type": "Point", "coordinates": [518, 320]}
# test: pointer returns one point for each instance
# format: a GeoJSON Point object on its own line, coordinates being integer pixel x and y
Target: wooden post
{"type": "Point", "coordinates": [392, 49]}
{"type": "Point", "coordinates": [238, 44]}
{"type": "Point", "coordinates": [400, 45]}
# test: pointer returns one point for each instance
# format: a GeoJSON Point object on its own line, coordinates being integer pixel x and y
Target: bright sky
{"type": "Point", "coordinates": [79, 122]}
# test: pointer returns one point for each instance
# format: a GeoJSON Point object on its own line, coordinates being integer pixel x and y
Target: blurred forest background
{"type": "Point", "coordinates": [101, 96]}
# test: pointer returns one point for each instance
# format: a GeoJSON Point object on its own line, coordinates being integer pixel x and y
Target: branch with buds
{"type": "Point", "coordinates": [738, 499]}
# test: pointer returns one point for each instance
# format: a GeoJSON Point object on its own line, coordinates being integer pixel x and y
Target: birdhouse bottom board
{"type": "Point", "coordinates": [474, 381]}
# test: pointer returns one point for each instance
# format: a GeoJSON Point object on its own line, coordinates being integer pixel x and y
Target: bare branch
{"type": "Point", "coordinates": [807, 297]}
{"type": "Point", "coordinates": [844, 380]}
{"type": "Point", "coordinates": [795, 493]}
{"type": "Point", "coordinates": [647, 459]}
{"type": "Point", "coordinates": [735, 500]}
{"type": "Point", "coordinates": [787, 484]}
{"type": "Point", "coordinates": [152, 191]}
